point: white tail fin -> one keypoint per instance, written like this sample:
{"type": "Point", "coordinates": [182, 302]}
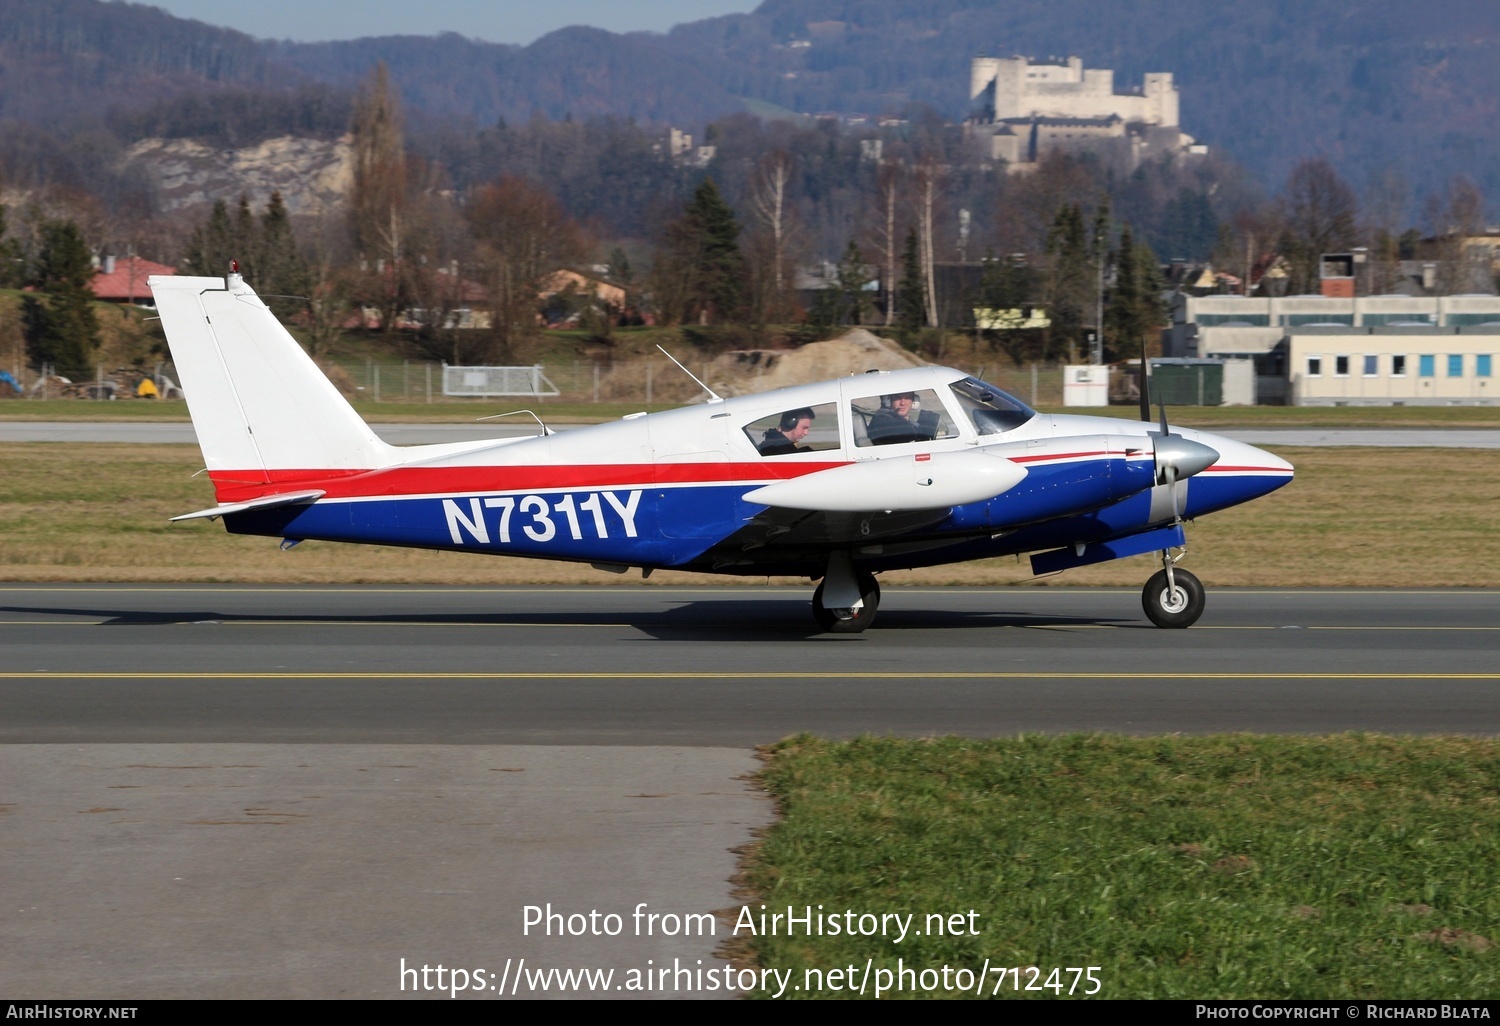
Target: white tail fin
{"type": "Point", "coordinates": [258, 402]}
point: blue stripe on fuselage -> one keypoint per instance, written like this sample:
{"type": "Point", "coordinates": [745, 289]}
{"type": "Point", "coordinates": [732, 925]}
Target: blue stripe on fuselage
{"type": "Point", "coordinates": [654, 526]}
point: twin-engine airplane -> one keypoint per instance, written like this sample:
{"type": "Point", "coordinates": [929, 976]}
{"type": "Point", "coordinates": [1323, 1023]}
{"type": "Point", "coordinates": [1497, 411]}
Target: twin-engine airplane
{"type": "Point", "coordinates": [836, 481]}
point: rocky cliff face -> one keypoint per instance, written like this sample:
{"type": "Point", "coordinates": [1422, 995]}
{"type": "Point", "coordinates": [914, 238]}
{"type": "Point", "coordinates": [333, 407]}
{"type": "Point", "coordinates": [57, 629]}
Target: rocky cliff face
{"type": "Point", "coordinates": [311, 174]}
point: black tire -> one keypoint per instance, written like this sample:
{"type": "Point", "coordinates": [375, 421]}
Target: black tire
{"type": "Point", "coordinates": [832, 623]}
{"type": "Point", "coordinates": [1167, 610]}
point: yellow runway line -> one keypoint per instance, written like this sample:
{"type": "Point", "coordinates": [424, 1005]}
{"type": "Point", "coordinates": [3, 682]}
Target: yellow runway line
{"type": "Point", "coordinates": [906, 675]}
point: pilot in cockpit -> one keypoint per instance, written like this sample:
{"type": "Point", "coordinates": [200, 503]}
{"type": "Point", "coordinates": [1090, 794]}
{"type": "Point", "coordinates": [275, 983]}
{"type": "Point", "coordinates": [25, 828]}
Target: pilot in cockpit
{"type": "Point", "coordinates": [789, 431]}
{"type": "Point", "coordinates": [893, 422]}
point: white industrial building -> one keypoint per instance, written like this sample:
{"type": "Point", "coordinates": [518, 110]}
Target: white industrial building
{"type": "Point", "coordinates": [1366, 350]}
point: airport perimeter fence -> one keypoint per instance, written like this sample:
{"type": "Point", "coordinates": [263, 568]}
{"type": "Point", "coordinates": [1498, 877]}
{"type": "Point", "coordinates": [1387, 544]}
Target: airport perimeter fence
{"type": "Point", "coordinates": [646, 380]}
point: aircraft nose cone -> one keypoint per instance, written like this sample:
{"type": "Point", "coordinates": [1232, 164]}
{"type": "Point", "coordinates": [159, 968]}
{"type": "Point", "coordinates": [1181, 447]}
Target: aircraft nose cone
{"type": "Point", "coordinates": [1184, 456]}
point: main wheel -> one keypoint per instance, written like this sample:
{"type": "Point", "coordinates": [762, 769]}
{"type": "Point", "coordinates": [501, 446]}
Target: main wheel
{"type": "Point", "coordinates": [842, 621]}
{"type": "Point", "coordinates": [1167, 607]}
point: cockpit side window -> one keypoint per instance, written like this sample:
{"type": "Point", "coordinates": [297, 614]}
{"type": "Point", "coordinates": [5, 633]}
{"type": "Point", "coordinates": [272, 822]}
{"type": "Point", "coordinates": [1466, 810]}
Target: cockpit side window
{"type": "Point", "coordinates": [991, 411]}
{"type": "Point", "coordinates": [803, 429]}
{"type": "Point", "coordinates": [896, 417]}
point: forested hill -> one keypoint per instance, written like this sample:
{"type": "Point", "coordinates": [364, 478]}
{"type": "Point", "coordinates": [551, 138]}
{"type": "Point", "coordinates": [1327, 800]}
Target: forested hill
{"type": "Point", "coordinates": [1373, 85]}
{"type": "Point", "coordinates": [61, 60]}
{"type": "Point", "coordinates": [574, 72]}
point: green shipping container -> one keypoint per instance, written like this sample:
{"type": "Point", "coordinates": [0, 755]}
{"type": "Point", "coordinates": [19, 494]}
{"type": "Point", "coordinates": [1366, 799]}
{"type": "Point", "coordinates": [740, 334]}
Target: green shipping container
{"type": "Point", "coordinates": [1187, 382]}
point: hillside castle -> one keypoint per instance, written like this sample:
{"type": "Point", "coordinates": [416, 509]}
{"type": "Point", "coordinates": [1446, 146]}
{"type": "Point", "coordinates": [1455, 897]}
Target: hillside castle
{"type": "Point", "coordinates": [1022, 110]}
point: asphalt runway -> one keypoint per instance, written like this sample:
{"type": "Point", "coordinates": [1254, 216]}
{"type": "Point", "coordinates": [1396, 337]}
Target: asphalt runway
{"type": "Point", "coordinates": [223, 791]}
{"type": "Point", "coordinates": [733, 666]}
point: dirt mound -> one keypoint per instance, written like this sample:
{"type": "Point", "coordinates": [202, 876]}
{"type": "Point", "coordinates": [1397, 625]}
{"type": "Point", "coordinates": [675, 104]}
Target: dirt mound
{"type": "Point", "coordinates": [760, 370]}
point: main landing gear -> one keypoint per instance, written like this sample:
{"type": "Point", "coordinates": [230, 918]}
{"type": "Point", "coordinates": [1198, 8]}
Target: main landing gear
{"type": "Point", "coordinates": [851, 619]}
{"type": "Point", "coordinates": [1173, 597]}
{"type": "Point", "coordinates": [846, 599]}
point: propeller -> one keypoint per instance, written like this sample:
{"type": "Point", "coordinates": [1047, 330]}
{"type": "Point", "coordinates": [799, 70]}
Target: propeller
{"type": "Point", "coordinates": [1145, 389]}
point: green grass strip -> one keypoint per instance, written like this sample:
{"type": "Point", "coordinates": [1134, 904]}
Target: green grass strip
{"type": "Point", "coordinates": [1231, 866]}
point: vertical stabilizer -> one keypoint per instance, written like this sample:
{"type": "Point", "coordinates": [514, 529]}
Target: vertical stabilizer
{"type": "Point", "coordinates": [258, 401]}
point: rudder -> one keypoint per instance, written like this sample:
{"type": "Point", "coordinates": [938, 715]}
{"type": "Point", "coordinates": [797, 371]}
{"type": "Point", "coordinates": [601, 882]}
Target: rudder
{"type": "Point", "coordinates": [258, 401]}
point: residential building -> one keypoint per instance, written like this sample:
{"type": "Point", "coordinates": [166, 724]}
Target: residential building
{"type": "Point", "coordinates": [123, 280]}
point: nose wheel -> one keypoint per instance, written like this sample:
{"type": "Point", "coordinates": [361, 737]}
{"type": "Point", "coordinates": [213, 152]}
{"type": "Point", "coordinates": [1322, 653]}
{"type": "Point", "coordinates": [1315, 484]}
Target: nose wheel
{"type": "Point", "coordinates": [1173, 598]}
{"type": "Point", "coordinates": [849, 620]}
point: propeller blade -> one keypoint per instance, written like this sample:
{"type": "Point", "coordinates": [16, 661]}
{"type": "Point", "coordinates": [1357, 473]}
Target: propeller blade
{"type": "Point", "coordinates": [1145, 388]}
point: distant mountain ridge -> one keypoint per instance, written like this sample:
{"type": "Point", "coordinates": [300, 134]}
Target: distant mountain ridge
{"type": "Point", "coordinates": [1372, 85]}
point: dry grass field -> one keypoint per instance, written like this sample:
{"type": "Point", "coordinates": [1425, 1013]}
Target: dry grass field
{"type": "Point", "coordinates": [1352, 517]}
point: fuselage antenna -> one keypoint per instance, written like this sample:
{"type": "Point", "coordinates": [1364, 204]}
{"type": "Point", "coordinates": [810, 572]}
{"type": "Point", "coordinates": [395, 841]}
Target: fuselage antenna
{"type": "Point", "coordinates": [713, 396]}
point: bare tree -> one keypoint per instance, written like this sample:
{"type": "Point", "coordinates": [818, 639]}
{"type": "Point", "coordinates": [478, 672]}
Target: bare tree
{"type": "Point", "coordinates": [1453, 218]}
{"type": "Point", "coordinates": [1384, 209]}
{"type": "Point", "coordinates": [926, 178]}
{"type": "Point", "coordinates": [768, 199]}
{"type": "Point", "coordinates": [523, 237]}
{"type": "Point", "coordinates": [1321, 217]}
{"type": "Point", "coordinates": [888, 182]}
{"type": "Point", "coordinates": [378, 197]}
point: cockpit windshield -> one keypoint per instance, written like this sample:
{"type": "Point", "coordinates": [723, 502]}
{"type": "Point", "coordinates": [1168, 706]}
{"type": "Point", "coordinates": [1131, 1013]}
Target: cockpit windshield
{"type": "Point", "coordinates": [991, 411]}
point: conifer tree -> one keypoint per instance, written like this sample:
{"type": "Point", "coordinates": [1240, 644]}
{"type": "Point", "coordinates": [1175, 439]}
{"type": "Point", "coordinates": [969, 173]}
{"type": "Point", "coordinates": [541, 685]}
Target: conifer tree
{"type": "Point", "coordinates": [1071, 278]}
{"type": "Point", "coordinates": [11, 270]}
{"type": "Point", "coordinates": [1136, 310]}
{"type": "Point", "coordinates": [281, 272]}
{"type": "Point", "coordinates": [911, 297]}
{"type": "Point", "coordinates": [212, 245]}
{"type": "Point", "coordinates": [58, 320]}
{"type": "Point", "coordinates": [700, 271]}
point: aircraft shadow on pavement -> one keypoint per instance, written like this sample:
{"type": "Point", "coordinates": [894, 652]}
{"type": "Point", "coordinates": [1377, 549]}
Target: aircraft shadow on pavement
{"type": "Point", "coordinates": [722, 620]}
{"type": "Point", "coordinates": [710, 620]}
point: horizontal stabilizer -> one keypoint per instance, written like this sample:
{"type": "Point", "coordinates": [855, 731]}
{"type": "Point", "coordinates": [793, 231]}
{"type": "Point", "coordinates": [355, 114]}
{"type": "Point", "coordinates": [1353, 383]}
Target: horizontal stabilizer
{"type": "Point", "coordinates": [264, 502]}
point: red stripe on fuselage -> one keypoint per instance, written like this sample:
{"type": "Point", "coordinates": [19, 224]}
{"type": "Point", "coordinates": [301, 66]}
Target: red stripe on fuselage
{"type": "Point", "coordinates": [1063, 456]}
{"type": "Point", "coordinates": [243, 485]}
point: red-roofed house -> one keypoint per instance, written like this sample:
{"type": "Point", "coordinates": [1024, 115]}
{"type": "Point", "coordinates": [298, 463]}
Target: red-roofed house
{"type": "Point", "coordinates": [123, 280]}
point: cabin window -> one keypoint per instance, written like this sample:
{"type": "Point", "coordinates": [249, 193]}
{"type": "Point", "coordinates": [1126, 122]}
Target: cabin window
{"type": "Point", "coordinates": [895, 417]}
{"type": "Point", "coordinates": [1372, 366]}
{"type": "Point", "coordinates": [1315, 366]}
{"type": "Point", "coordinates": [1398, 366]}
{"type": "Point", "coordinates": [1426, 365]}
{"type": "Point", "coordinates": [1341, 366]}
{"type": "Point", "coordinates": [1482, 365]}
{"type": "Point", "coordinates": [1455, 365]}
{"type": "Point", "coordinates": [798, 430]}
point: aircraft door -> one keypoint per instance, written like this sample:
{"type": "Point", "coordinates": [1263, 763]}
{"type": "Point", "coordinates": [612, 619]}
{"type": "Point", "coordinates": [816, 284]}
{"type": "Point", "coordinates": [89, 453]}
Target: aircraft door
{"type": "Point", "coordinates": [693, 496]}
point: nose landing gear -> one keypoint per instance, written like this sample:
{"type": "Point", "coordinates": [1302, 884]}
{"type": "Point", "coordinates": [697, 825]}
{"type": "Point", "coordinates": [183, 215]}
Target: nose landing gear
{"type": "Point", "coordinates": [1173, 597]}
